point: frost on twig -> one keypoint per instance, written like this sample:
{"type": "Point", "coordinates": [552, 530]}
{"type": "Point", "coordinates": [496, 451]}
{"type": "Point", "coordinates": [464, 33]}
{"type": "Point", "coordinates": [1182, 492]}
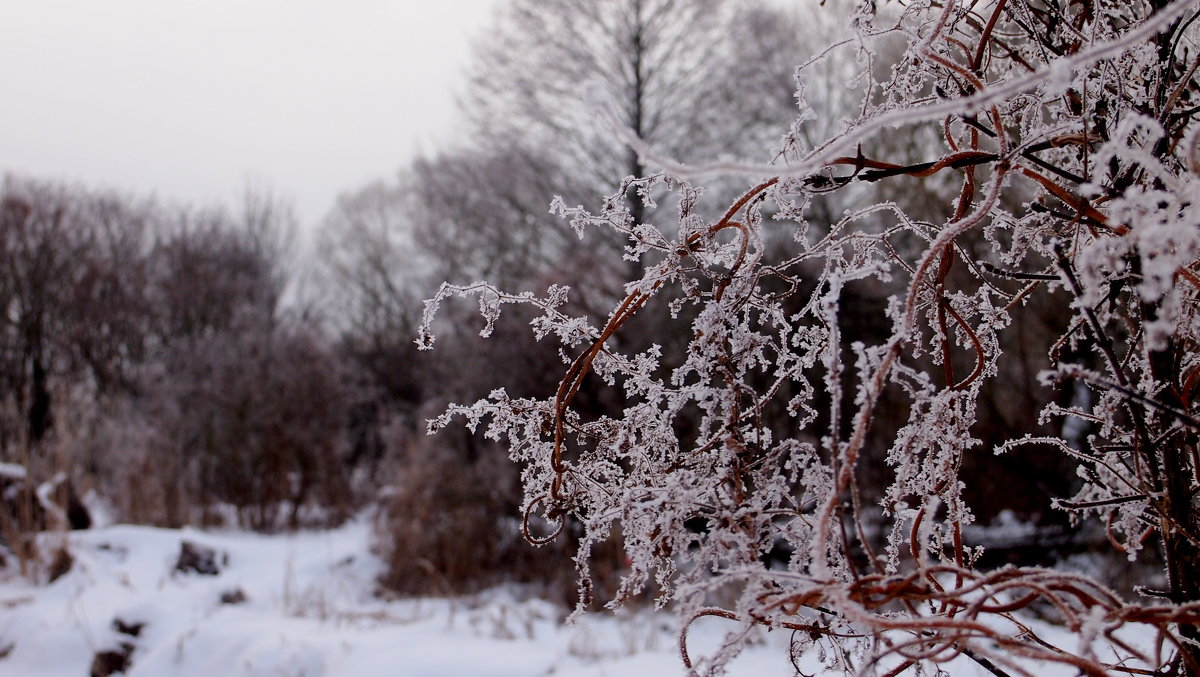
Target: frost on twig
{"type": "Point", "coordinates": [784, 463]}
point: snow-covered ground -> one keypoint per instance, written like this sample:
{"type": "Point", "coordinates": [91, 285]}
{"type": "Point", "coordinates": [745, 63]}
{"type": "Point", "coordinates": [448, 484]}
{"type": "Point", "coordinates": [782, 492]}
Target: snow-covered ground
{"type": "Point", "coordinates": [304, 604]}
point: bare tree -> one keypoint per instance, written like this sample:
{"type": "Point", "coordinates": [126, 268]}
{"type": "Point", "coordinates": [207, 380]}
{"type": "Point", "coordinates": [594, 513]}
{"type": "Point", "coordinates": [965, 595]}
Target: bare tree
{"type": "Point", "coordinates": [212, 271]}
{"type": "Point", "coordinates": [658, 60]}
{"type": "Point", "coordinates": [479, 211]}
{"type": "Point", "coordinates": [72, 287]}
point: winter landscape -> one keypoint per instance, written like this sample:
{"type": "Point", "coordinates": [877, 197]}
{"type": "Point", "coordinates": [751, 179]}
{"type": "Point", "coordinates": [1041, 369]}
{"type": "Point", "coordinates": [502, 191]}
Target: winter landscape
{"type": "Point", "coordinates": [713, 337]}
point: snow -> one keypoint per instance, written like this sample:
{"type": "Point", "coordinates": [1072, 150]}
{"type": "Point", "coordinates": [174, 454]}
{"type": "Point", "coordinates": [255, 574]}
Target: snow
{"type": "Point", "coordinates": [311, 609]}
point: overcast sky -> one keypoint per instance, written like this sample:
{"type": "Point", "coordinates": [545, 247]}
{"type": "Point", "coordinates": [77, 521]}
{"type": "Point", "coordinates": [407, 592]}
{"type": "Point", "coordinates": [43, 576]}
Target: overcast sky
{"type": "Point", "coordinates": [191, 99]}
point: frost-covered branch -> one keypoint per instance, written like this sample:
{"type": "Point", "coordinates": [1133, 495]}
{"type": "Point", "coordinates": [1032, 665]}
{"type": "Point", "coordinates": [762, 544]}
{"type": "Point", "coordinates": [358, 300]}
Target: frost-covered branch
{"type": "Point", "coordinates": [794, 456]}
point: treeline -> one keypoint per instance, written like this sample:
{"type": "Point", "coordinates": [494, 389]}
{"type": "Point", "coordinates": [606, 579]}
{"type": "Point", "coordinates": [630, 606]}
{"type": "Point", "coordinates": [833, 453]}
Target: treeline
{"type": "Point", "coordinates": [162, 358]}
{"type": "Point", "coordinates": [146, 353]}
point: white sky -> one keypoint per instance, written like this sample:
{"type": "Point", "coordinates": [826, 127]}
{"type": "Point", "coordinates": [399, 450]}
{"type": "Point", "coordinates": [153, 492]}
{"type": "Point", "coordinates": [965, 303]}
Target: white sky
{"type": "Point", "coordinates": [193, 99]}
